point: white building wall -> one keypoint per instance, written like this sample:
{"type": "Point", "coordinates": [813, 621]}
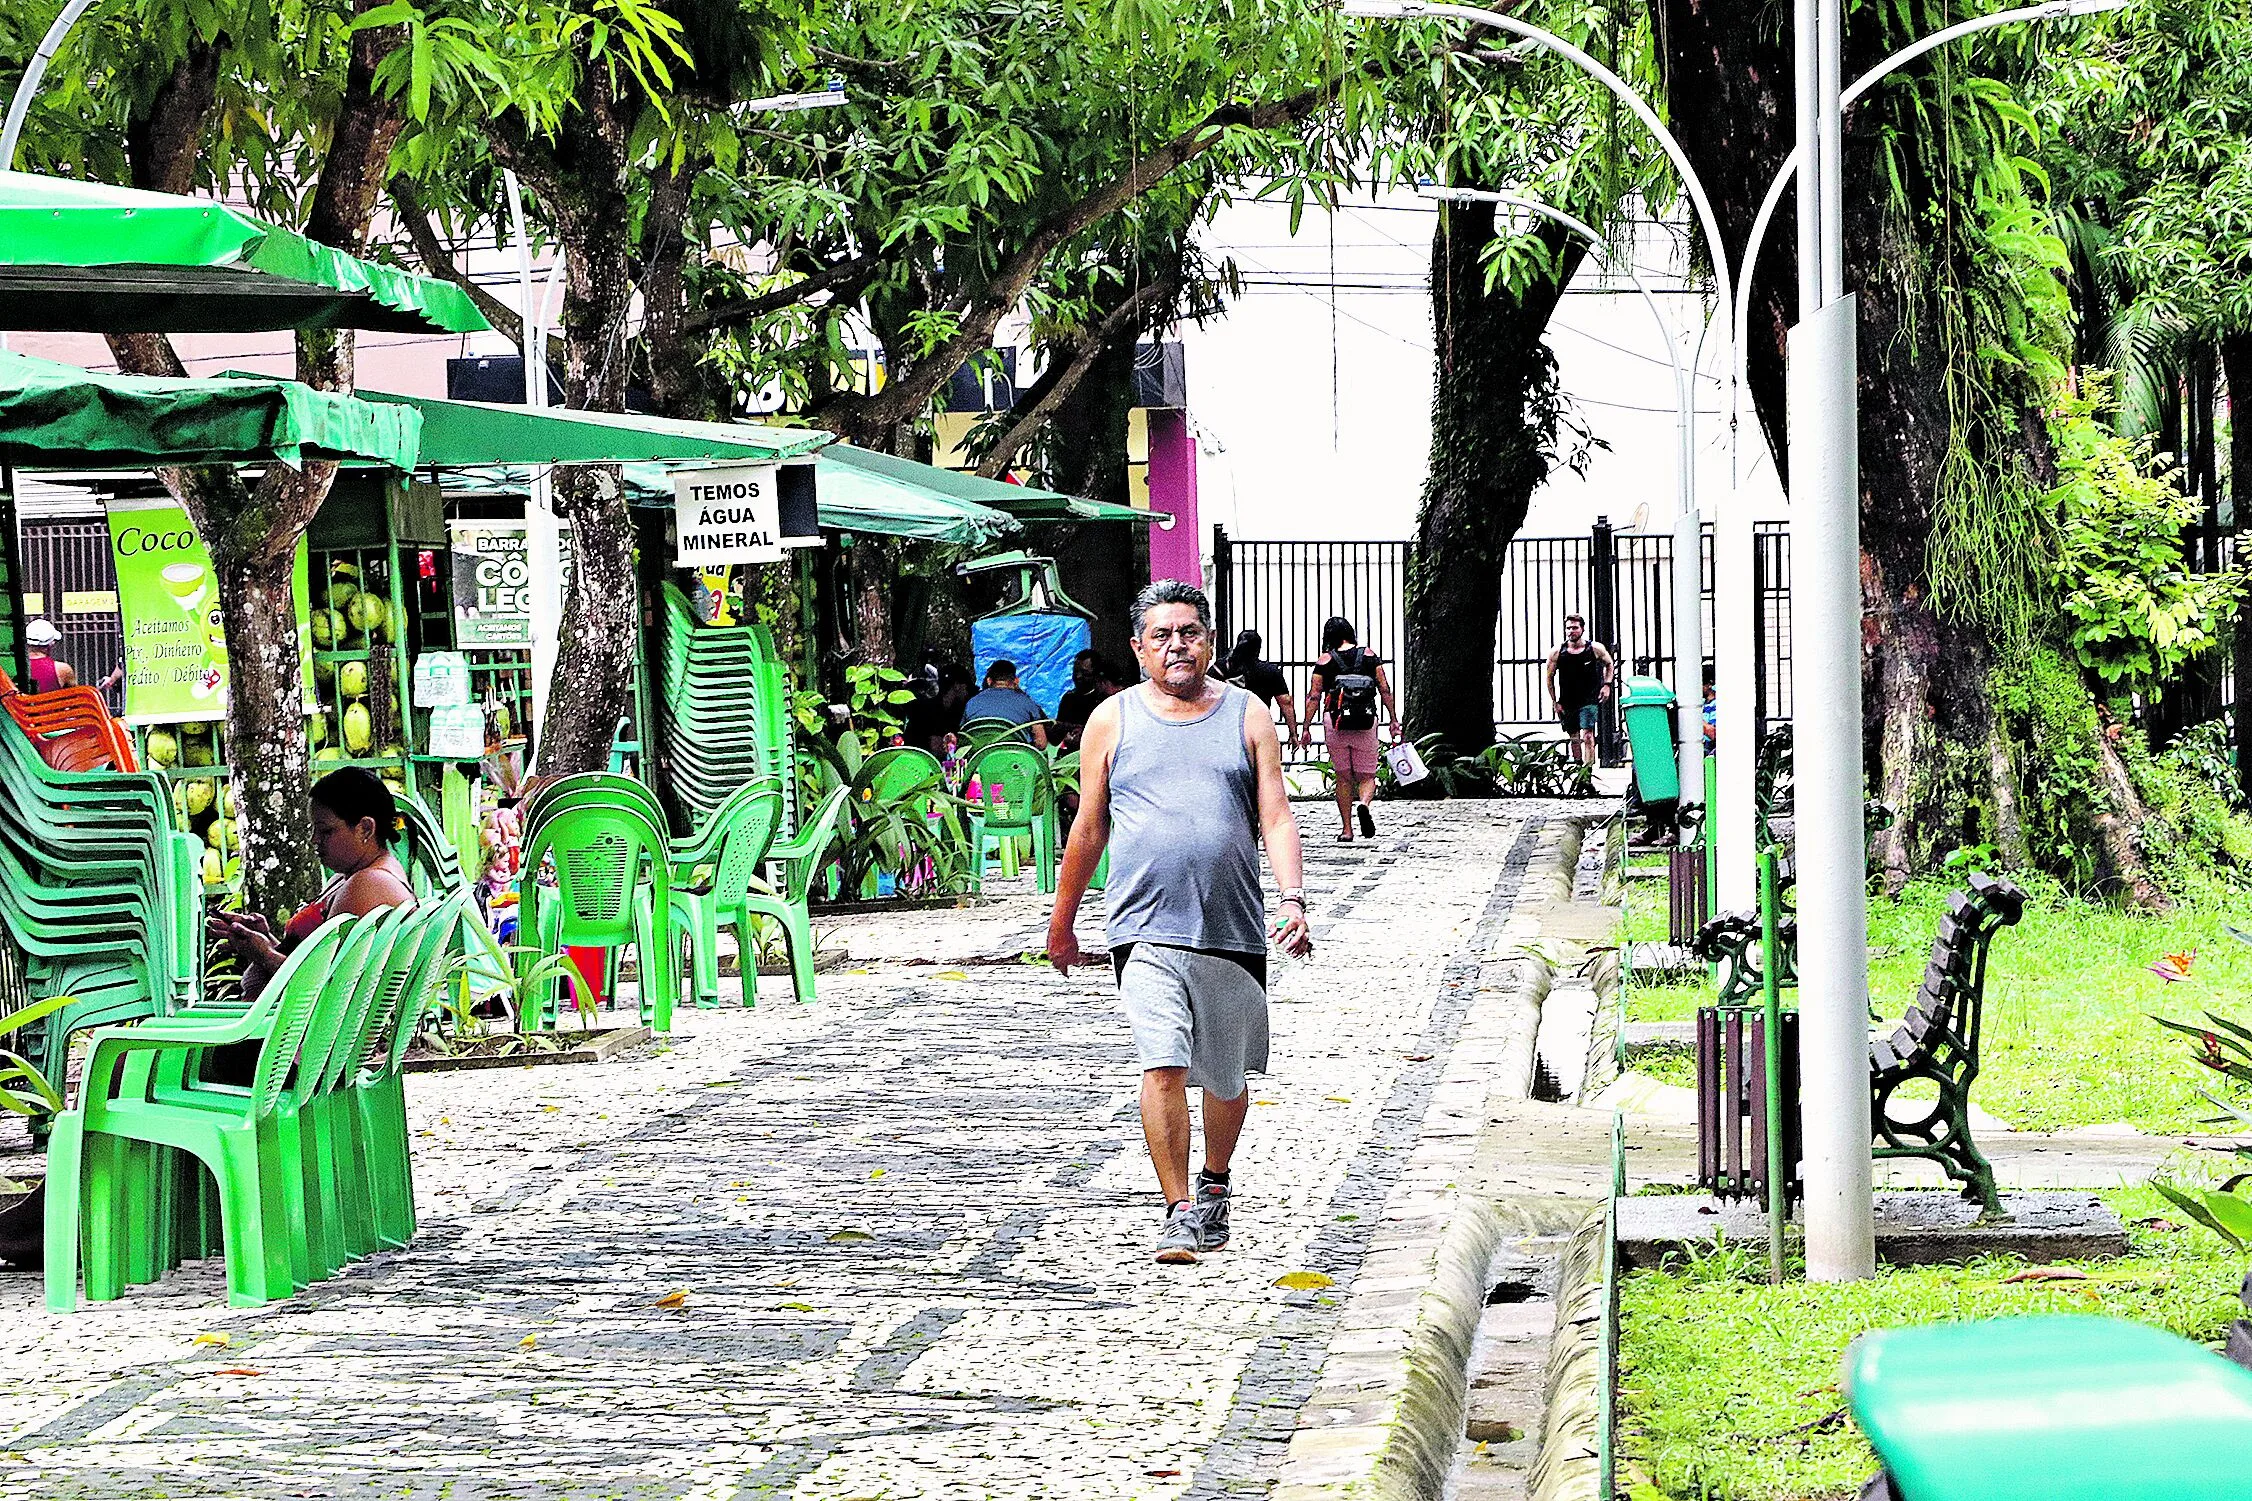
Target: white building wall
{"type": "Point", "coordinates": [1314, 407]}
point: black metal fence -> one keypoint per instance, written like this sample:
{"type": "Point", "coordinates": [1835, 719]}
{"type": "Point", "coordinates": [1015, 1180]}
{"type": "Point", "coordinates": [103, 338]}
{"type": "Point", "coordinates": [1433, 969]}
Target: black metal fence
{"type": "Point", "coordinates": [1621, 582]}
{"type": "Point", "coordinates": [1286, 591]}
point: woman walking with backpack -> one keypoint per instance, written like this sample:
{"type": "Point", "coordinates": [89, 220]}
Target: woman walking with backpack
{"type": "Point", "coordinates": [1348, 687]}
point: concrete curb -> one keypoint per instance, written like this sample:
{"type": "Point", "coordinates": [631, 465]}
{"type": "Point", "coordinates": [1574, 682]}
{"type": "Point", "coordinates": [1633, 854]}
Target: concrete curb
{"type": "Point", "coordinates": [1386, 1421]}
{"type": "Point", "coordinates": [1570, 1467]}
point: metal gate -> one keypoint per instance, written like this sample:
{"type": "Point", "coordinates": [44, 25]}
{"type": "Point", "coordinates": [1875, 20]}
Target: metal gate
{"type": "Point", "coordinates": [1620, 582]}
{"type": "Point", "coordinates": [1286, 591]}
{"type": "Point", "coordinates": [67, 566]}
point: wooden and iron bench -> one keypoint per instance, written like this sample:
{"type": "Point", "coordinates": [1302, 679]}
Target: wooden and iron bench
{"type": "Point", "coordinates": [1935, 1045]}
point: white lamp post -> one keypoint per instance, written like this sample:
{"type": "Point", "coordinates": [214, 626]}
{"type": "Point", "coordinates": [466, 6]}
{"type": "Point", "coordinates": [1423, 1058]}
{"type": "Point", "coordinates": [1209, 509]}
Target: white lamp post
{"type": "Point", "coordinates": [1688, 539]}
{"type": "Point", "coordinates": [1690, 723]}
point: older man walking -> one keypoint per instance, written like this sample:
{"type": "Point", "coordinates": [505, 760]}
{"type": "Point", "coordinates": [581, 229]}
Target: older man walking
{"type": "Point", "coordinates": [1182, 777]}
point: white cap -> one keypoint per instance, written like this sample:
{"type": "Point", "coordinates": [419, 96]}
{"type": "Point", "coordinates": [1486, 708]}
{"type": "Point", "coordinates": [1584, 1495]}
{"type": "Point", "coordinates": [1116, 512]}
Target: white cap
{"type": "Point", "coordinates": [42, 631]}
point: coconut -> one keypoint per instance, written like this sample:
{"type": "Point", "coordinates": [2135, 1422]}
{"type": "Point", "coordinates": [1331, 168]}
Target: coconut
{"type": "Point", "coordinates": [223, 835]}
{"type": "Point", "coordinates": [199, 795]}
{"type": "Point", "coordinates": [359, 729]}
{"type": "Point", "coordinates": [367, 611]}
{"type": "Point", "coordinates": [316, 730]}
{"type": "Point", "coordinates": [163, 748]}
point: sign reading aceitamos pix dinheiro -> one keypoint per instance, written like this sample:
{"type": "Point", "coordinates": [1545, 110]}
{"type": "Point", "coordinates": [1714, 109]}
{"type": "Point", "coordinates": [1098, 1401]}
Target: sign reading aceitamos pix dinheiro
{"type": "Point", "coordinates": [168, 604]}
{"type": "Point", "coordinates": [730, 515]}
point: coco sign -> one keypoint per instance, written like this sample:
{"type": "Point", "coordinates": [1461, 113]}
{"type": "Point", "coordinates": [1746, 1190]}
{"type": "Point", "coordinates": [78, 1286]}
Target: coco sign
{"type": "Point", "coordinates": [724, 516]}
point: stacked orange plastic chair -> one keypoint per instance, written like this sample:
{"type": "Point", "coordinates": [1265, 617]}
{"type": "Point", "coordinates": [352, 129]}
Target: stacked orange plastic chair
{"type": "Point", "coordinates": [72, 728]}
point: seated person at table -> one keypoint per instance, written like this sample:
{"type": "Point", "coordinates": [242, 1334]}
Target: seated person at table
{"type": "Point", "coordinates": [1003, 699]}
{"type": "Point", "coordinates": [354, 822]}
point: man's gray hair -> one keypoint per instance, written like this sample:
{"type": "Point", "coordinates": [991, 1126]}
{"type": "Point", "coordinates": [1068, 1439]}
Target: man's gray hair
{"type": "Point", "coordinates": [1170, 592]}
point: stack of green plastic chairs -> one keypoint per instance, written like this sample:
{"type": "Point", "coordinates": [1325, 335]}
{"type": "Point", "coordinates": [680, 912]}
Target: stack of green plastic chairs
{"type": "Point", "coordinates": [612, 887]}
{"type": "Point", "coordinates": [100, 898]}
{"type": "Point", "coordinates": [726, 694]}
{"type": "Point", "coordinates": [308, 1166]}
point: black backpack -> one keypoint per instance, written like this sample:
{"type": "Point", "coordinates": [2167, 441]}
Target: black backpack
{"type": "Point", "coordinates": [1353, 691]}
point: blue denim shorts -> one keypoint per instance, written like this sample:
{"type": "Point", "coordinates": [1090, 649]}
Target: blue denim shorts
{"type": "Point", "coordinates": [1582, 718]}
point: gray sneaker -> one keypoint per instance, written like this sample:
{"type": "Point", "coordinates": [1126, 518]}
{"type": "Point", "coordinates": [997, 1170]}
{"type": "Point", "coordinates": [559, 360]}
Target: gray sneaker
{"type": "Point", "coordinates": [1212, 1204]}
{"type": "Point", "coordinates": [1182, 1237]}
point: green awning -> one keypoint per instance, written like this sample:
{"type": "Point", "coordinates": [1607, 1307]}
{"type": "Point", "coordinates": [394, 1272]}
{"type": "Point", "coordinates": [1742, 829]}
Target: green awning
{"type": "Point", "coordinates": [1024, 502]}
{"type": "Point", "coordinates": [1042, 505]}
{"type": "Point", "coordinates": [899, 498]}
{"type": "Point", "coordinates": [94, 258]}
{"type": "Point", "coordinates": [848, 500]}
{"type": "Point", "coordinates": [479, 434]}
{"type": "Point", "coordinates": [55, 416]}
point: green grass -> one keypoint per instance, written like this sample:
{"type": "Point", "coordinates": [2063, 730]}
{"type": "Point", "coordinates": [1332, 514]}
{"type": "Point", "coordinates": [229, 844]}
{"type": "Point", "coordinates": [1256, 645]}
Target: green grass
{"type": "Point", "coordinates": [1728, 1387]}
{"type": "Point", "coordinates": [2069, 994]}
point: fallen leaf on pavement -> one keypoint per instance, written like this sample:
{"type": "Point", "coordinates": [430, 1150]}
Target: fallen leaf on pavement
{"type": "Point", "coordinates": [677, 1298]}
{"type": "Point", "coordinates": [220, 1340]}
{"type": "Point", "coordinates": [878, 1173]}
{"type": "Point", "coordinates": [952, 974]}
{"type": "Point", "coordinates": [799, 1307]}
{"type": "Point", "coordinates": [1301, 1281]}
{"type": "Point", "coordinates": [1160, 1474]}
{"type": "Point", "coordinates": [842, 1236]}
{"type": "Point", "coordinates": [237, 1370]}
{"type": "Point", "coordinates": [527, 1342]}
{"type": "Point", "coordinates": [1338, 1099]}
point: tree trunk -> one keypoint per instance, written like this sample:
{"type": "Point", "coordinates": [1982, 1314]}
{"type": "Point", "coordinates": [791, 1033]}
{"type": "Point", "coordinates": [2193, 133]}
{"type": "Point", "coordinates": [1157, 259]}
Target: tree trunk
{"type": "Point", "coordinates": [251, 534]}
{"type": "Point", "coordinates": [2236, 369]}
{"type": "Point", "coordinates": [1925, 672]}
{"type": "Point", "coordinates": [1494, 409]}
{"type": "Point", "coordinates": [581, 177]}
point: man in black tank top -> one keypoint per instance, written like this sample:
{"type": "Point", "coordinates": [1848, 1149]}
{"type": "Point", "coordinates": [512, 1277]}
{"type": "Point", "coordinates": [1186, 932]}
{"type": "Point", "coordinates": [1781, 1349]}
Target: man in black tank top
{"type": "Point", "coordinates": [1579, 680]}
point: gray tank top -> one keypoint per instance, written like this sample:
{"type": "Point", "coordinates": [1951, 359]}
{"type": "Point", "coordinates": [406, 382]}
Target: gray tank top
{"type": "Point", "coordinates": [1184, 830]}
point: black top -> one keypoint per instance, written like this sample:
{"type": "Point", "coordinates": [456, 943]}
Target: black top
{"type": "Point", "coordinates": [1363, 660]}
{"type": "Point", "coordinates": [1078, 705]}
{"type": "Point", "coordinates": [1579, 677]}
{"type": "Point", "coordinates": [1263, 680]}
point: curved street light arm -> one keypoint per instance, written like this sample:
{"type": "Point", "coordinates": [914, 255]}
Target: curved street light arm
{"type": "Point", "coordinates": [1691, 183]}
{"type": "Point", "coordinates": [2052, 10]}
{"type": "Point", "coordinates": [20, 105]}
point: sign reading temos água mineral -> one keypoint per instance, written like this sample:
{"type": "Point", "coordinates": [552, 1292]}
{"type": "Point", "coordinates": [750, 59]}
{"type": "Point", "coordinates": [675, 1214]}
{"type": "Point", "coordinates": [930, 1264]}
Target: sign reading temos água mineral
{"type": "Point", "coordinates": [730, 515]}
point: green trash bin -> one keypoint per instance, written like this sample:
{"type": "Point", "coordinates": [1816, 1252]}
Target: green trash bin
{"type": "Point", "coordinates": [1647, 704]}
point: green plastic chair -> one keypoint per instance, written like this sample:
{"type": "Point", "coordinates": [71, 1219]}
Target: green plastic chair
{"type": "Point", "coordinates": [377, 1091]}
{"type": "Point", "coordinates": [797, 860]}
{"type": "Point", "coordinates": [1028, 794]}
{"type": "Point", "coordinates": [233, 1133]}
{"type": "Point", "coordinates": [2051, 1408]}
{"type": "Point", "coordinates": [978, 734]}
{"type": "Point", "coordinates": [734, 845]}
{"type": "Point", "coordinates": [613, 889]}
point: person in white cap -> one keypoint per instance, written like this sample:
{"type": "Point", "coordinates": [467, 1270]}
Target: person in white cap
{"type": "Point", "coordinates": [48, 671]}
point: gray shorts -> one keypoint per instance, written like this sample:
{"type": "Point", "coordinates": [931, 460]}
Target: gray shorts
{"type": "Point", "coordinates": [1195, 1010]}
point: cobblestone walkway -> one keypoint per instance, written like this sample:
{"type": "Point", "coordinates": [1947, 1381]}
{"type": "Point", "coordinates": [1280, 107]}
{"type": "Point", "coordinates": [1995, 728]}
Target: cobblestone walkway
{"type": "Point", "coordinates": [913, 1223]}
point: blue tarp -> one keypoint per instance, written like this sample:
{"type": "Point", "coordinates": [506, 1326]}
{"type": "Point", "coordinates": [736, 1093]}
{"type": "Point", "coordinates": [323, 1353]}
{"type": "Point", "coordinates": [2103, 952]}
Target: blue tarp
{"type": "Point", "coordinates": [1042, 646]}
